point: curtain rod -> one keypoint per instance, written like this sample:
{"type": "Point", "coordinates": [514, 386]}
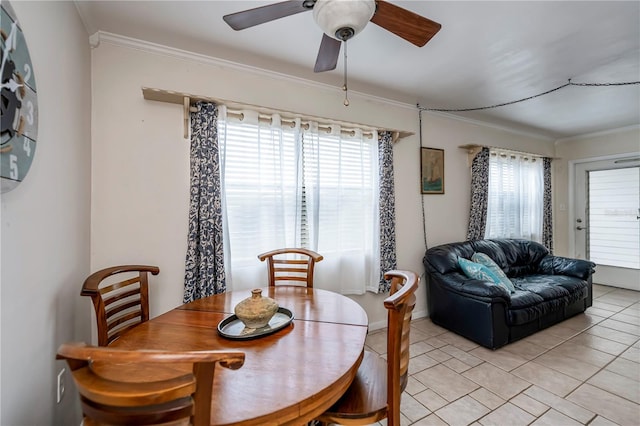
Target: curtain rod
{"type": "Point", "coordinates": [264, 118]}
{"type": "Point", "coordinates": [186, 100]}
{"type": "Point", "coordinates": [474, 149]}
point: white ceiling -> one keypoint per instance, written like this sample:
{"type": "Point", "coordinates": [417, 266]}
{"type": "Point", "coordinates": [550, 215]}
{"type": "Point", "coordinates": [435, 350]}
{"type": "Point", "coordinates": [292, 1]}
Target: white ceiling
{"type": "Point", "coordinates": [486, 53]}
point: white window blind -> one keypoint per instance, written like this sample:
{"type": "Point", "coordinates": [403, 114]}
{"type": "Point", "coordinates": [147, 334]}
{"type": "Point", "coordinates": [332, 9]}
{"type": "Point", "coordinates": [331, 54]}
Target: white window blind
{"type": "Point", "coordinates": [259, 183]}
{"type": "Point", "coordinates": [515, 203]}
{"type": "Point", "coordinates": [614, 207]}
{"type": "Point", "coordinates": [287, 186]}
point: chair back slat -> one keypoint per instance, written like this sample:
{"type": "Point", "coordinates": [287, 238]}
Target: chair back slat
{"type": "Point", "coordinates": [134, 292]}
{"type": "Point", "coordinates": [114, 302]}
{"type": "Point", "coordinates": [119, 285]}
{"type": "Point", "coordinates": [123, 319]}
{"type": "Point", "coordinates": [290, 278]}
{"type": "Point", "coordinates": [283, 269]}
{"type": "Point", "coordinates": [291, 264]}
{"type": "Point", "coordinates": [119, 310]}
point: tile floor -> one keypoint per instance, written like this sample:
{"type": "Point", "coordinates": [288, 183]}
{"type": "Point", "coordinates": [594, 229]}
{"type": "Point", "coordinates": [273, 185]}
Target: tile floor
{"type": "Point", "coordinates": [583, 371]}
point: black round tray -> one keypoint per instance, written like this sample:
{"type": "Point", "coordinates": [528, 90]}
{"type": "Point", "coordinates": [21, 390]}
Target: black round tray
{"type": "Point", "coordinates": [233, 328]}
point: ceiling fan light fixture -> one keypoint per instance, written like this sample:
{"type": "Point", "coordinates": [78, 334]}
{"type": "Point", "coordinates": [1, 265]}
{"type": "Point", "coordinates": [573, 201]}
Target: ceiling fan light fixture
{"type": "Point", "coordinates": [336, 16]}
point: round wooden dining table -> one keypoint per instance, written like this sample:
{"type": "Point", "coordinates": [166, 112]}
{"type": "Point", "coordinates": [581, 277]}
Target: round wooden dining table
{"type": "Point", "coordinates": [290, 376]}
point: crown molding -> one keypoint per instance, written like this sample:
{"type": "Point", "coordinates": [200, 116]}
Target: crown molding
{"type": "Point", "coordinates": [81, 8]}
{"type": "Point", "coordinates": [601, 133]}
{"type": "Point", "coordinates": [159, 49]}
{"type": "Point", "coordinates": [94, 40]}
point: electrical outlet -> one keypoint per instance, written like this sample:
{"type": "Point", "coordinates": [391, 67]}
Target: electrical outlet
{"type": "Point", "coordinates": [60, 391]}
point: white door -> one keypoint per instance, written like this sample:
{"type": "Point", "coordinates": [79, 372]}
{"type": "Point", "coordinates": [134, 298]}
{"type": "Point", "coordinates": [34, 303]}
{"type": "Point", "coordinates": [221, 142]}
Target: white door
{"type": "Point", "coordinates": [607, 220]}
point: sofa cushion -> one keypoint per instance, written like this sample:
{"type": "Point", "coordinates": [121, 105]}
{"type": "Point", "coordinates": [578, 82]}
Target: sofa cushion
{"type": "Point", "coordinates": [551, 287]}
{"type": "Point", "coordinates": [525, 307]}
{"type": "Point", "coordinates": [552, 293]}
{"type": "Point", "coordinates": [444, 258]}
{"type": "Point", "coordinates": [541, 285]}
{"type": "Point", "coordinates": [492, 249]}
{"type": "Point", "coordinates": [522, 256]}
{"type": "Point", "coordinates": [532, 312]}
{"type": "Point", "coordinates": [486, 260]}
{"type": "Point", "coordinates": [478, 271]}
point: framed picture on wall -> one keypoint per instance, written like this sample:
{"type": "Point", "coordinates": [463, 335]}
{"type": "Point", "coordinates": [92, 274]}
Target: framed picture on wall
{"type": "Point", "coordinates": [432, 170]}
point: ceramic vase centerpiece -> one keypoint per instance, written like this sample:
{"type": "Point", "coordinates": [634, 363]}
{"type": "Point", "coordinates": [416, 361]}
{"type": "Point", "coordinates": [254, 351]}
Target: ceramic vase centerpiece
{"type": "Point", "coordinates": [257, 310]}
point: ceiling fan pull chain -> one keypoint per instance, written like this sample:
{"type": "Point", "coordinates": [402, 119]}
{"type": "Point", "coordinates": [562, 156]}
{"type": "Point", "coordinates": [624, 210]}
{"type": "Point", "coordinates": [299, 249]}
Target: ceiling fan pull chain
{"type": "Point", "coordinates": [344, 87]}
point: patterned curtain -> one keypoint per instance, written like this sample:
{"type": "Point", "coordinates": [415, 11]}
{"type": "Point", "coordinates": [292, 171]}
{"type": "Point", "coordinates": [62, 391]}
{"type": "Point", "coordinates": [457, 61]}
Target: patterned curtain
{"type": "Point", "coordinates": [387, 207]}
{"type": "Point", "coordinates": [547, 216]}
{"type": "Point", "coordinates": [204, 266]}
{"type": "Point", "coordinates": [479, 195]}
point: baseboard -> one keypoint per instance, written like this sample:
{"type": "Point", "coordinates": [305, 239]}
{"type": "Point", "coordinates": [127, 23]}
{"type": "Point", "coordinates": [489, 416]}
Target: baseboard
{"type": "Point", "coordinates": [627, 285]}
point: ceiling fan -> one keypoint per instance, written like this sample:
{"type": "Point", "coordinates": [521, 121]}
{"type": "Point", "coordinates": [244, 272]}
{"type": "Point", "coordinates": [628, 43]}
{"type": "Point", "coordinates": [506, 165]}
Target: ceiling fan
{"type": "Point", "coordinates": [340, 20]}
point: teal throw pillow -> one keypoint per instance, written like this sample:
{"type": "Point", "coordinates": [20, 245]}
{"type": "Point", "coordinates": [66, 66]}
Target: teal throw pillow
{"type": "Point", "coordinates": [478, 271]}
{"type": "Point", "coordinates": [485, 260]}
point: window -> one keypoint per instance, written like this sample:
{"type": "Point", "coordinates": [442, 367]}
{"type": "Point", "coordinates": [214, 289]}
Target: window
{"type": "Point", "coordinates": [515, 198]}
{"type": "Point", "coordinates": [290, 186]}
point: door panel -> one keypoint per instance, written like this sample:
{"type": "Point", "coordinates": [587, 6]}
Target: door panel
{"type": "Point", "coordinates": [607, 220]}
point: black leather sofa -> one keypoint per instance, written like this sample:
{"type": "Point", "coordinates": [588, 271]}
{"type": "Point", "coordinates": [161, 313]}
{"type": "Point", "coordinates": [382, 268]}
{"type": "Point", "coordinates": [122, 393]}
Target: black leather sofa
{"type": "Point", "coordinates": [548, 289]}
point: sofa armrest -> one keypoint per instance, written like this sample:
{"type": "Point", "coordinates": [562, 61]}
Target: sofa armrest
{"type": "Point", "coordinates": [477, 289]}
{"type": "Point", "coordinates": [558, 265]}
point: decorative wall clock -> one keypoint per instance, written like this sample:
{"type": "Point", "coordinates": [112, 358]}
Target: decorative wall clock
{"type": "Point", "coordinates": [19, 103]}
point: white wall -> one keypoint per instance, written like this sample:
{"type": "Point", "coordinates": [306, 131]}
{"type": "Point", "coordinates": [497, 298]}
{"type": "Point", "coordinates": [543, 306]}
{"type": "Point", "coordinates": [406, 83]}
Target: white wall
{"type": "Point", "coordinates": [45, 223]}
{"type": "Point", "coordinates": [621, 141]}
{"type": "Point", "coordinates": [140, 161]}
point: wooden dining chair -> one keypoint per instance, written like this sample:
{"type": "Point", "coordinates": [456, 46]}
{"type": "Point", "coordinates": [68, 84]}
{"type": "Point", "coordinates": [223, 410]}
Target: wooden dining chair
{"type": "Point", "coordinates": [121, 302]}
{"type": "Point", "coordinates": [291, 264]}
{"type": "Point", "coordinates": [375, 392]}
{"type": "Point", "coordinates": [157, 392]}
